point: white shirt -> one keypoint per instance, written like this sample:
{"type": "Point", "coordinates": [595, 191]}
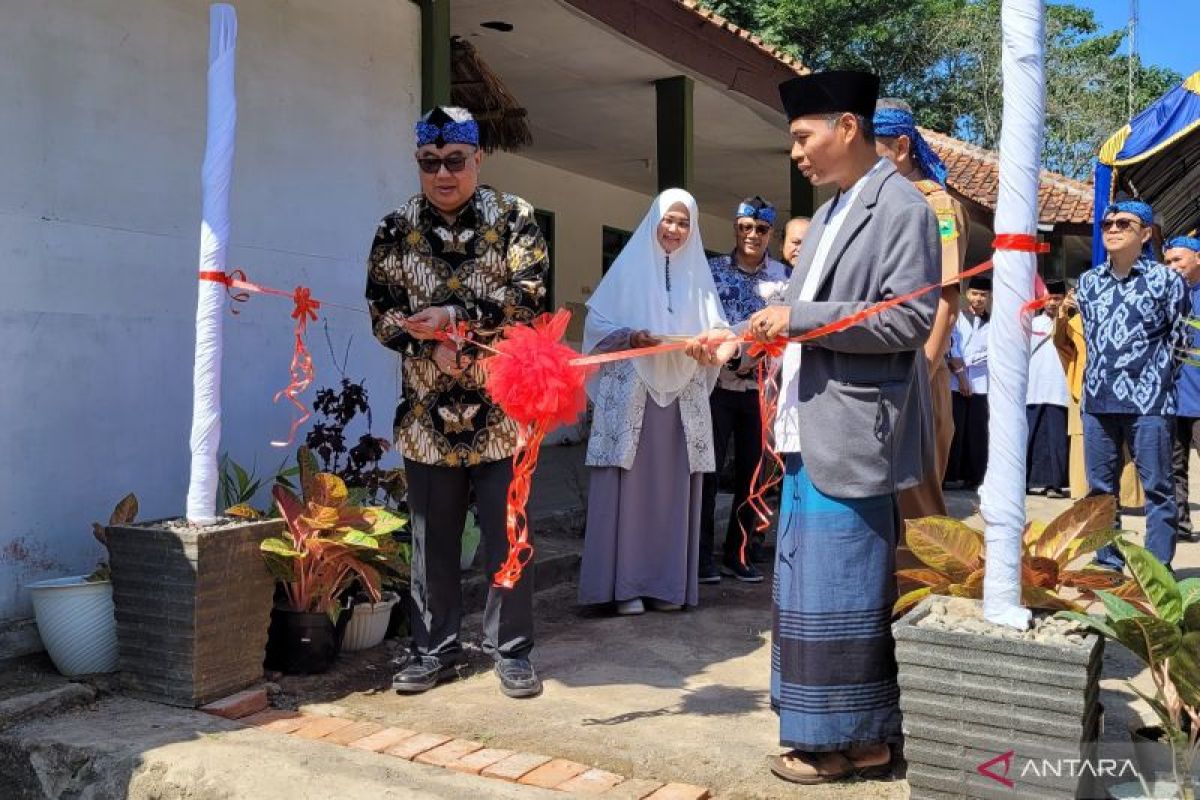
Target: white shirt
{"type": "Point", "coordinates": [787, 418]}
{"type": "Point", "coordinates": [1047, 381]}
{"type": "Point", "coordinates": [968, 341]}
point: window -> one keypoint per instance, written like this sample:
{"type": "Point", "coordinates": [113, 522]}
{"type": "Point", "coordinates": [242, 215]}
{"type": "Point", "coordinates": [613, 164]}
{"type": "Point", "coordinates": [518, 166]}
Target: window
{"type": "Point", "coordinates": [545, 221]}
{"type": "Point", "coordinates": [612, 241]}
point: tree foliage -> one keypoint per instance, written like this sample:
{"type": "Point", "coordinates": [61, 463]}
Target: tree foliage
{"type": "Point", "coordinates": [943, 56]}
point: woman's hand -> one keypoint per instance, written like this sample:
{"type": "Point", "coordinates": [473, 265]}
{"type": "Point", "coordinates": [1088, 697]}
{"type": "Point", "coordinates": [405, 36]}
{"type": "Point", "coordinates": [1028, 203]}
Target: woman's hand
{"type": "Point", "coordinates": [713, 348]}
{"type": "Point", "coordinates": [639, 339]}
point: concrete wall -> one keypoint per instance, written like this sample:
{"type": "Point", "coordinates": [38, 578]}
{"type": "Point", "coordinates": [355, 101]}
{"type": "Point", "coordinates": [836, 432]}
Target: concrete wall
{"type": "Point", "coordinates": [102, 109]}
{"type": "Point", "coordinates": [582, 207]}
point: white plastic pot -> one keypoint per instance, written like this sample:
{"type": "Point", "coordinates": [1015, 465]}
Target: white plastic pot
{"type": "Point", "coordinates": [369, 623]}
{"type": "Point", "coordinates": [75, 620]}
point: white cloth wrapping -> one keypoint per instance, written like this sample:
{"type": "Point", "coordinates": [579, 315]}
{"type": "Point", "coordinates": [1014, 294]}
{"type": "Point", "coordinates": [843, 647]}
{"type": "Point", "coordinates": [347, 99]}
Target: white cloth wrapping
{"type": "Point", "coordinates": [1047, 381]}
{"type": "Point", "coordinates": [1002, 497]}
{"type": "Point", "coordinates": [217, 173]}
{"type": "Point", "coordinates": [633, 294]}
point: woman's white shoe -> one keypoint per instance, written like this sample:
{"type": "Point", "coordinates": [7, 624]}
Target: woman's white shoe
{"type": "Point", "coordinates": [630, 607]}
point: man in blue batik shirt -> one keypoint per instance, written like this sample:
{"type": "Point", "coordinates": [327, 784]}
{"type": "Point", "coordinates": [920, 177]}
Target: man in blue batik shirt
{"type": "Point", "coordinates": [746, 279]}
{"type": "Point", "coordinates": [1182, 254]}
{"type": "Point", "coordinates": [1134, 312]}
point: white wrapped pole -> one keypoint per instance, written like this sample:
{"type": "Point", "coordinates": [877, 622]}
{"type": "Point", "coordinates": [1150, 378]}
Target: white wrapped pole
{"type": "Point", "coordinates": [1003, 493]}
{"type": "Point", "coordinates": [216, 176]}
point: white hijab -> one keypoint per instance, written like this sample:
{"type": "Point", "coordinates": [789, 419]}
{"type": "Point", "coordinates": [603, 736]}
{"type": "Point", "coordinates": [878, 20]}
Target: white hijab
{"type": "Point", "coordinates": [633, 294]}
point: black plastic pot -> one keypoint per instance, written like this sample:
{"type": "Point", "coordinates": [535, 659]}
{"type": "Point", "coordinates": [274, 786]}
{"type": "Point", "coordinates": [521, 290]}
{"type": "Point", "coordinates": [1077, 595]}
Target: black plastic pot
{"type": "Point", "coordinates": [301, 643]}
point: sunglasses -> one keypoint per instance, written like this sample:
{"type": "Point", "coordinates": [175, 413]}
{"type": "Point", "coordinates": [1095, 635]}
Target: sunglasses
{"type": "Point", "coordinates": [1120, 225]}
{"type": "Point", "coordinates": [747, 227]}
{"type": "Point", "coordinates": [431, 165]}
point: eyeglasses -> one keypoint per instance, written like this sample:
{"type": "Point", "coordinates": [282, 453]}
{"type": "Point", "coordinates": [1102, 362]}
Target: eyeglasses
{"type": "Point", "coordinates": [1120, 225]}
{"type": "Point", "coordinates": [431, 165]}
{"type": "Point", "coordinates": [748, 227]}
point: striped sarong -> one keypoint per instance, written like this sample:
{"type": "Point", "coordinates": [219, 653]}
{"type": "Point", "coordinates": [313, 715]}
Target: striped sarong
{"type": "Point", "coordinates": [833, 661]}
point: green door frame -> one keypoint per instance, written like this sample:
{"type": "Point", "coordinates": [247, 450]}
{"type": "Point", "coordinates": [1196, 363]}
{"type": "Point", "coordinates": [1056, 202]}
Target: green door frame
{"type": "Point", "coordinates": [674, 126]}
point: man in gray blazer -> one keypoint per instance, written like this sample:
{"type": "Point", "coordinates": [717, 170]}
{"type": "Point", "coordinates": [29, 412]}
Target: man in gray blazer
{"type": "Point", "coordinates": [855, 424]}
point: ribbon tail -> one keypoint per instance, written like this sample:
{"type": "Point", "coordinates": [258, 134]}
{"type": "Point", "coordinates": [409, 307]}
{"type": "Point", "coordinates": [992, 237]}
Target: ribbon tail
{"type": "Point", "coordinates": [520, 551]}
{"type": "Point", "coordinates": [769, 470]}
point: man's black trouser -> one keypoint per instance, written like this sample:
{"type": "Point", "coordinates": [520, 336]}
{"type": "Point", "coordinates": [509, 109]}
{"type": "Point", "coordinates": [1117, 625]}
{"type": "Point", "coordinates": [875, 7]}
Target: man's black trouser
{"type": "Point", "coordinates": [437, 500]}
{"type": "Point", "coordinates": [733, 414]}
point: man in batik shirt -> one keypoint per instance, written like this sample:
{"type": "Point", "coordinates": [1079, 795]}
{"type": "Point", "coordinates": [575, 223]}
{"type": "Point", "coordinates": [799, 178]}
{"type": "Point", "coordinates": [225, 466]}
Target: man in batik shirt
{"type": "Point", "coordinates": [457, 257]}
{"type": "Point", "coordinates": [1134, 312]}
{"type": "Point", "coordinates": [746, 279]}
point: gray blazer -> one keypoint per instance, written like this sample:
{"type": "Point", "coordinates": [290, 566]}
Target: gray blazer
{"type": "Point", "coordinates": [866, 416]}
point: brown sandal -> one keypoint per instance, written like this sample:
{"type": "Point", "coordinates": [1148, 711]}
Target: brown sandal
{"type": "Point", "coordinates": [869, 772]}
{"type": "Point", "coordinates": [822, 767]}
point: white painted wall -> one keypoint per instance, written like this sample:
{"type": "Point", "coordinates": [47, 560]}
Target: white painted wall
{"type": "Point", "coordinates": [102, 109]}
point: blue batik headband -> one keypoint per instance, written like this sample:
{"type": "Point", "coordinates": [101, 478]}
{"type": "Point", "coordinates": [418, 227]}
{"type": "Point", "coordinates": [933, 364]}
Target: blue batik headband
{"type": "Point", "coordinates": [1139, 209]}
{"type": "Point", "coordinates": [440, 130]}
{"type": "Point", "coordinates": [756, 209]}
{"type": "Point", "coordinates": [1189, 242]}
{"type": "Point", "coordinates": [893, 122]}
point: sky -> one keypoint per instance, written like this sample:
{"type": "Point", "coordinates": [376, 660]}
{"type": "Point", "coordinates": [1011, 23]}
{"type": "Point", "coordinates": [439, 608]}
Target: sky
{"type": "Point", "coordinates": [1168, 31]}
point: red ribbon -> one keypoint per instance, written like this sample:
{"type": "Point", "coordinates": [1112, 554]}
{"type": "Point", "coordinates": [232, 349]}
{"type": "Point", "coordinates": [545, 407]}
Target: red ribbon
{"type": "Point", "coordinates": [301, 367]}
{"type": "Point", "coordinates": [1020, 242]}
{"type": "Point", "coordinates": [520, 551]}
{"type": "Point", "coordinates": [304, 310]}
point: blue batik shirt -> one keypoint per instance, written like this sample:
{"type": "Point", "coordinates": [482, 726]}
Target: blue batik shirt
{"type": "Point", "coordinates": [743, 293]}
{"type": "Point", "coordinates": [1188, 379]}
{"type": "Point", "coordinates": [1133, 329]}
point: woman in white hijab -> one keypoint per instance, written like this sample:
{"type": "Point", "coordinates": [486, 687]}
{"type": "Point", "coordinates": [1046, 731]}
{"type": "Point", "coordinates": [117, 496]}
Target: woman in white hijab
{"type": "Point", "coordinates": [651, 437]}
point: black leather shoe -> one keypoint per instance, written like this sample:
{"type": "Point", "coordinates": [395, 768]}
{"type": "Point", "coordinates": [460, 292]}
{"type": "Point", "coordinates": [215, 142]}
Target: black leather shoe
{"type": "Point", "coordinates": [421, 674]}
{"type": "Point", "coordinates": [1187, 536]}
{"type": "Point", "coordinates": [517, 678]}
{"type": "Point", "coordinates": [746, 573]}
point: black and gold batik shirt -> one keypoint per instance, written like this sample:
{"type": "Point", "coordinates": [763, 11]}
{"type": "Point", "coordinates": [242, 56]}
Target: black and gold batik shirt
{"type": "Point", "coordinates": [490, 264]}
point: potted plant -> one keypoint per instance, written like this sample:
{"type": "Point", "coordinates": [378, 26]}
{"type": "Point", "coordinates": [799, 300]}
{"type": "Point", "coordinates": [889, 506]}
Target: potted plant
{"type": "Point", "coordinates": [328, 543]}
{"type": "Point", "coordinates": [1164, 632]}
{"type": "Point", "coordinates": [969, 690]}
{"type": "Point", "coordinates": [369, 620]}
{"type": "Point", "coordinates": [75, 614]}
{"type": "Point", "coordinates": [192, 604]}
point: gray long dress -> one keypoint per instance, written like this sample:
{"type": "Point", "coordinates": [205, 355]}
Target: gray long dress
{"type": "Point", "coordinates": [643, 523]}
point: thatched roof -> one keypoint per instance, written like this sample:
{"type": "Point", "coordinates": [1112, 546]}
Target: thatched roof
{"type": "Point", "coordinates": [473, 85]}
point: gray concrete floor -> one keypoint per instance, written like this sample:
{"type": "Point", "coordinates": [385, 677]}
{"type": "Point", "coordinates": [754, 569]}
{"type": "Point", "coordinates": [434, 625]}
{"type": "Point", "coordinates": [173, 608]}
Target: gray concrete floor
{"type": "Point", "coordinates": [669, 696]}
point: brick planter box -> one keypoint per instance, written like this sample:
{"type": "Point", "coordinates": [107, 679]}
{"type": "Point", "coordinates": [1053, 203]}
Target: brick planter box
{"type": "Point", "coordinates": [969, 698]}
{"type": "Point", "coordinates": [192, 606]}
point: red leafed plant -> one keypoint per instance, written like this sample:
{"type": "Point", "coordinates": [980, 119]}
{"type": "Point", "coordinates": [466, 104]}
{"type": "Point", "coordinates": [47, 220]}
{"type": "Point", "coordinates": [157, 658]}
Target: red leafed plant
{"type": "Point", "coordinates": [329, 541]}
{"type": "Point", "coordinates": [954, 558]}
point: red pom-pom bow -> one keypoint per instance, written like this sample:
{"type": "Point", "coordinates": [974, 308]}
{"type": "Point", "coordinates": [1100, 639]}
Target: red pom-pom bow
{"type": "Point", "coordinates": [531, 377]}
{"type": "Point", "coordinates": [533, 381]}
